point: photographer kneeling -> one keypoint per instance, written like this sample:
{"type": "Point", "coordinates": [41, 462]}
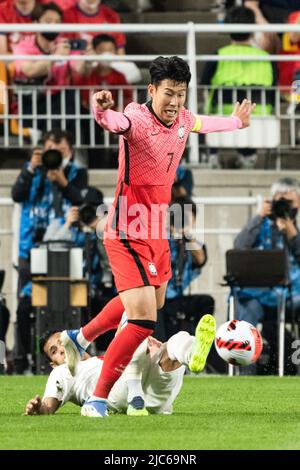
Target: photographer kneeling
{"type": "Point", "coordinates": [274, 226]}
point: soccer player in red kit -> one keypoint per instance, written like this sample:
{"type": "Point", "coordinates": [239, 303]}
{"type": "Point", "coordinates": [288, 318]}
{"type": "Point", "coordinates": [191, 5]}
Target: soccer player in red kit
{"type": "Point", "coordinates": [152, 141]}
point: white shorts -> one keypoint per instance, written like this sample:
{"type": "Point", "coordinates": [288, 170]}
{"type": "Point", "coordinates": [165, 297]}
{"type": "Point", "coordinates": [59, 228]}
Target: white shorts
{"type": "Point", "coordinates": [160, 388]}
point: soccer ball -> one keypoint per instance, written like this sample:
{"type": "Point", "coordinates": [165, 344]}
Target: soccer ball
{"type": "Point", "coordinates": [238, 343]}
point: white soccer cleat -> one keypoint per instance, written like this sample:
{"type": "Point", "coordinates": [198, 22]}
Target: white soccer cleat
{"type": "Point", "coordinates": [94, 409]}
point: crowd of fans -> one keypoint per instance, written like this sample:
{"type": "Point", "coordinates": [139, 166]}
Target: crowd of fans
{"type": "Point", "coordinates": [63, 77]}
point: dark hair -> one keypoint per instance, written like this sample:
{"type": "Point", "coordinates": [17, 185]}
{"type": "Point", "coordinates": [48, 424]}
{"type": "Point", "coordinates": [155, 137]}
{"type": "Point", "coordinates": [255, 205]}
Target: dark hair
{"type": "Point", "coordinates": [240, 15]}
{"type": "Point", "coordinates": [103, 38]}
{"type": "Point", "coordinates": [40, 9]}
{"type": "Point", "coordinates": [57, 135]}
{"type": "Point", "coordinates": [170, 68]}
{"type": "Point", "coordinates": [43, 340]}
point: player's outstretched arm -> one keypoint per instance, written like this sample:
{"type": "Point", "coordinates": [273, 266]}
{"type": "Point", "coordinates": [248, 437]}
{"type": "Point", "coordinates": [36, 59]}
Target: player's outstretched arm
{"type": "Point", "coordinates": [106, 117]}
{"type": "Point", "coordinates": [239, 119]}
{"type": "Point", "coordinates": [36, 406]}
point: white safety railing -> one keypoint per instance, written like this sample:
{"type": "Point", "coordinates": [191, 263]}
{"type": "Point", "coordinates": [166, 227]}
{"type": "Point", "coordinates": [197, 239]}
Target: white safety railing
{"type": "Point", "coordinates": [42, 108]}
{"type": "Point", "coordinates": [189, 30]}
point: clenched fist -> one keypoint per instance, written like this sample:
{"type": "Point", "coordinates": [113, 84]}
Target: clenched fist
{"type": "Point", "coordinates": [103, 100]}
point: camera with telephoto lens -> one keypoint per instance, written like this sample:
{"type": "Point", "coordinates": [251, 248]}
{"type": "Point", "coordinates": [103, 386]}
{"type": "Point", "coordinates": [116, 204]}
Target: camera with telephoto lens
{"type": "Point", "coordinates": [282, 208]}
{"type": "Point", "coordinates": [52, 159]}
{"type": "Point", "coordinates": [87, 214]}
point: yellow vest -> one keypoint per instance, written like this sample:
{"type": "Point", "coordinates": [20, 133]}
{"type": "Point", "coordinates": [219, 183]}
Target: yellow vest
{"type": "Point", "coordinates": [242, 73]}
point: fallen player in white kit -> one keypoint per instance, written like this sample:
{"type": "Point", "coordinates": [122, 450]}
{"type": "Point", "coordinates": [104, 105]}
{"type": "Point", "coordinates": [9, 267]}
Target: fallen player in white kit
{"type": "Point", "coordinates": [149, 384]}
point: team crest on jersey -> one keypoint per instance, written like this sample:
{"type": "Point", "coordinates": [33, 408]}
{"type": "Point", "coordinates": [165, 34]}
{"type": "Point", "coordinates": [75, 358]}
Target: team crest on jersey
{"type": "Point", "coordinates": [58, 386]}
{"type": "Point", "coordinates": [152, 269]}
{"type": "Point", "coordinates": [181, 132]}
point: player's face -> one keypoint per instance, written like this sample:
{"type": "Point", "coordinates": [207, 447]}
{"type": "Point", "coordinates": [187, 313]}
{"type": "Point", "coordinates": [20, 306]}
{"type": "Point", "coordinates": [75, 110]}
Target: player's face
{"type": "Point", "coordinates": [55, 350]}
{"type": "Point", "coordinates": [167, 99]}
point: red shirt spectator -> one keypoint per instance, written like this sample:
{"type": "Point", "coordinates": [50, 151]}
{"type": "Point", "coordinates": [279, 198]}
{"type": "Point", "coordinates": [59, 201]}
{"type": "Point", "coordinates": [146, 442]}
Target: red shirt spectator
{"type": "Point", "coordinates": [290, 45]}
{"type": "Point", "coordinates": [101, 15]}
{"type": "Point", "coordinates": [15, 11]}
{"type": "Point", "coordinates": [101, 74]}
{"type": "Point", "coordinates": [96, 82]}
{"type": "Point", "coordinates": [63, 4]}
{"type": "Point", "coordinates": [58, 74]}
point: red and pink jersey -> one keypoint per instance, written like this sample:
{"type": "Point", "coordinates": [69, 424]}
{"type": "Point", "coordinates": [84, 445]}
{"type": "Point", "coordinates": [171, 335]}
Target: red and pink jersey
{"type": "Point", "coordinates": [103, 16]}
{"type": "Point", "coordinates": [152, 149]}
{"type": "Point", "coordinates": [149, 154]}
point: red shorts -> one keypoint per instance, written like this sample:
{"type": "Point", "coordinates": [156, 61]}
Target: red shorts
{"type": "Point", "coordinates": [136, 263]}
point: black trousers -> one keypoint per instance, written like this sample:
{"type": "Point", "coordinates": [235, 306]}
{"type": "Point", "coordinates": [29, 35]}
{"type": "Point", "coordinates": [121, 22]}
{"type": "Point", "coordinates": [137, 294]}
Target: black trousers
{"type": "Point", "coordinates": [23, 336]}
{"type": "Point", "coordinates": [4, 320]}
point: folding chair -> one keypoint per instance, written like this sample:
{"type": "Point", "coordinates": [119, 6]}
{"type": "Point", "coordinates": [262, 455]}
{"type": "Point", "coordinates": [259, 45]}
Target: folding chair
{"type": "Point", "coordinates": [259, 268]}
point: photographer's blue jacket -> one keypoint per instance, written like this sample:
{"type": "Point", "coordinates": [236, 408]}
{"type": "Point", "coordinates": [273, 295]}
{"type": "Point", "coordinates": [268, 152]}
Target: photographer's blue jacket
{"type": "Point", "coordinates": [190, 272]}
{"type": "Point", "coordinates": [262, 233]}
{"type": "Point", "coordinates": [36, 193]}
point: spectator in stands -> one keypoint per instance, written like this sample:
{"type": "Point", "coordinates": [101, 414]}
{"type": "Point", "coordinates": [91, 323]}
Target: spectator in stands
{"type": "Point", "coordinates": [40, 73]}
{"type": "Point", "coordinates": [273, 227]}
{"type": "Point", "coordinates": [290, 71]}
{"type": "Point", "coordinates": [91, 11]}
{"type": "Point", "coordinates": [239, 74]}
{"type": "Point", "coordinates": [270, 11]}
{"type": "Point", "coordinates": [44, 195]}
{"type": "Point", "coordinates": [15, 11]}
{"type": "Point", "coordinates": [103, 73]}
{"type": "Point", "coordinates": [188, 256]}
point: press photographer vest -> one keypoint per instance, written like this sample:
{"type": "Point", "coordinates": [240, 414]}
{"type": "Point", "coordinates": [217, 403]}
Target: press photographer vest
{"type": "Point", "coordinates": [241, 73]}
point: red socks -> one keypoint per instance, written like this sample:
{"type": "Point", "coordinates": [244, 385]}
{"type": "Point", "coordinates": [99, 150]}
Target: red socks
{"type": "Point", "coordinates": [107, 319]}
{"type": "Point", "coordinates": [120, 352]}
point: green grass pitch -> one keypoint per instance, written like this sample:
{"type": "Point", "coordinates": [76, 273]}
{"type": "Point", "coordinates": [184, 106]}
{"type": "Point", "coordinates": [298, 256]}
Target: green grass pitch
{"type": "Point", "coordinates": [210, 413]}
